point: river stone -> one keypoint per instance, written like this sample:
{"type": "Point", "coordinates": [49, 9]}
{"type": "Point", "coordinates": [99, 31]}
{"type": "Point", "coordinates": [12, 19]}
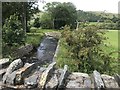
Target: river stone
{"type": "Point", "coordinates": [16, 64]}
{"type": "Point", "coordinates": [52, 84]}
{"type": "Point", "coordinates": [46, 74]}
{"type": "Point", "coordinates": [97, 80]}
{"type": "Point", "coordinates": [63, 76]}
{"type": "Point", "coordinates": [23, 72]}
{"type": "Point", "coordinates": [109, 81]}
{"type": "Point", "coordinates": [4, 62]}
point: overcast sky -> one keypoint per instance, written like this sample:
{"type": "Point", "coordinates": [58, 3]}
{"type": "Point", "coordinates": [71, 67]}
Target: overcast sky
{"type": "Point", "coordinates": [91, 5]}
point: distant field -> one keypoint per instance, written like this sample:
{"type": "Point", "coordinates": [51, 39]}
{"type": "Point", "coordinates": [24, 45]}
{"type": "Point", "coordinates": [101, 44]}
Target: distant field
{"type": "Point", "coordinates": [112, 41]}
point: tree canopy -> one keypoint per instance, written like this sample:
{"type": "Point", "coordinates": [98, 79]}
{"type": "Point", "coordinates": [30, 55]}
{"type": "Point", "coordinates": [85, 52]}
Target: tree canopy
{"type": "Point", "coordinates": [62, 14]}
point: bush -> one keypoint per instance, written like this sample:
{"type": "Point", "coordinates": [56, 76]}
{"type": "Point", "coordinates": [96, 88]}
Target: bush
{"type": "Point", "coordinates": [84, 46]}
{"type": "Point", "coordinates": [12, 31]}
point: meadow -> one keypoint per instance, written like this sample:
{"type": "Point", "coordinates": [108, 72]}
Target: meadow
{"type": "Point", "coordinates": [112, 42]}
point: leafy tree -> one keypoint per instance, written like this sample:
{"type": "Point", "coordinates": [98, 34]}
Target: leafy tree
{"type": "Point", "coordinates": [62, 14]}
{"type": "Point", "coordinates": [12, 31]}
{"type": "Point", "coordinates": [46, 21]}
{"type": "Point", "coordinates": [24, 10]}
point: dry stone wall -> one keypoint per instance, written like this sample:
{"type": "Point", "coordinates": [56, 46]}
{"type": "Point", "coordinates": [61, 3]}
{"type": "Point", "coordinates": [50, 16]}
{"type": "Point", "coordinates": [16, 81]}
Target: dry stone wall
{"type": "Point", "coordinates": [46, 78]}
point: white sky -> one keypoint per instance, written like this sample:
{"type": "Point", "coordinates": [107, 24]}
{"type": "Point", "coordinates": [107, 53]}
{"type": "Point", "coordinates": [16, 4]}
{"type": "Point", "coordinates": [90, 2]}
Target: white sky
{"type": "Point", "coordinates": [91, 5]}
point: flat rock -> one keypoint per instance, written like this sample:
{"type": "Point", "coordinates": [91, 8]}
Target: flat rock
{"type": "Point", "coordinates": [109, 81]}
{"type": "Point", "coordinates": [23, 72]}
{"type": "Point", "coordinates": [46, 74]}
{"type": "Point", "coordinates": [16, 64]}
{"type": "Point", "coordinates": [98, 80]}
{"type": "Point", "coordinates": [4, 62]}
{"type": "Point", "coordinates": [52, 83]}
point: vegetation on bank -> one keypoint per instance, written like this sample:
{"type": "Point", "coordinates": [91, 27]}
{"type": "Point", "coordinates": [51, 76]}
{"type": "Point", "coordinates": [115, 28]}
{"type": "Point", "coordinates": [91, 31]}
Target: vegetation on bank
{"type": "Point", "coordinates": [80, 56]}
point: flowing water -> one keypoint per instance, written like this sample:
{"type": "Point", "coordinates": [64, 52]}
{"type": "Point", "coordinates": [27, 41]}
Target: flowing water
{"type": "Point", "coordinates": [46, 50]}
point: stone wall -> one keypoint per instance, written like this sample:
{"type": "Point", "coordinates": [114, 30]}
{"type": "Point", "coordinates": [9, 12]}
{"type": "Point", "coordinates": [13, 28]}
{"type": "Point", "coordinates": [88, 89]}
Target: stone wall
{"type": "Point", "coordinates": [28, 77]}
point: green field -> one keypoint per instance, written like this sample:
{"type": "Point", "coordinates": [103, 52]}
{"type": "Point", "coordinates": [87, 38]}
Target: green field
{"type": "Point", "coordinates": [112, 42]}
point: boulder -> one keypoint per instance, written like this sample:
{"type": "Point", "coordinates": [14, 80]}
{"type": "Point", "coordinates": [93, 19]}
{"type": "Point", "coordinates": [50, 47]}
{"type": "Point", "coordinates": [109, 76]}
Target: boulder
{"type": "Point", "coordinates": [16, 64]}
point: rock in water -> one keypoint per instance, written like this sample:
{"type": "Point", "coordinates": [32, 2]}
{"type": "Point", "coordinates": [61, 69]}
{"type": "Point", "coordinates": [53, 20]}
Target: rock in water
{"type": "Point", "coordinates": [16, 64]}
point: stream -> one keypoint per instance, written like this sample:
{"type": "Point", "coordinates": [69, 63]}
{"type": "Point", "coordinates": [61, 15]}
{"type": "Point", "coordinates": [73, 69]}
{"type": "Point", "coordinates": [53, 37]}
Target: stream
{"type": "Point", "coordinates": [44, 53]}
{"type": "Point", "coordinates": [47, 48]}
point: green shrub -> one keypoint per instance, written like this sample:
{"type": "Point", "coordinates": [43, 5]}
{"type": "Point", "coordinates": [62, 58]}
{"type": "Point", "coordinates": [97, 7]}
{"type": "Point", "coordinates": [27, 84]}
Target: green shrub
{"type": "Point", "coordinates": [12, 31]}
{"type": "Point", "coordinates": [85, 52]}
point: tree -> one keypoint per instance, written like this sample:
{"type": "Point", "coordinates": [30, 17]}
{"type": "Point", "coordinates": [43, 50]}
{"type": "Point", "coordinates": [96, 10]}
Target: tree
{"type": "Point", "coordinates": [24, 10]}
{"type": "Point", "coordinates": [46, 21]}
{"type": "Point", "coordinates": [62, 14]}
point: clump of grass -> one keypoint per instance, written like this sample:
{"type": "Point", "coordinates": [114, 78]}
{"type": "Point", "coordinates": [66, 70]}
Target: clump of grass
{"type": "Point", "coordinates": [34, 39]}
